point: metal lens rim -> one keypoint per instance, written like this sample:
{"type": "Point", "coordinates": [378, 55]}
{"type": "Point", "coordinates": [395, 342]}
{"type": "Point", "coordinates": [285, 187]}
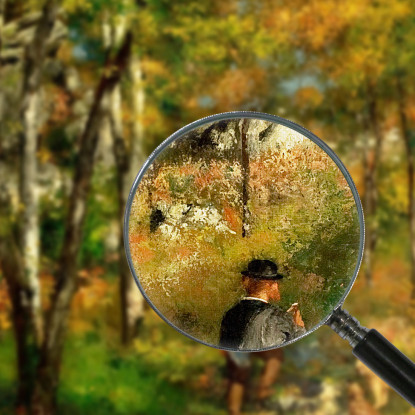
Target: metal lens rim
{"type": "Point", "coordinates": [228, 116]}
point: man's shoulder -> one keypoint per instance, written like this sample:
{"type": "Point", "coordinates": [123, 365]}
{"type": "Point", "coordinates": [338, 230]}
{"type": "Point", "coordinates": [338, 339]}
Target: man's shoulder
{"type": "Point", "coordinates": [245, 305]}
{"type": "Point", "coordinates": [272, 313]}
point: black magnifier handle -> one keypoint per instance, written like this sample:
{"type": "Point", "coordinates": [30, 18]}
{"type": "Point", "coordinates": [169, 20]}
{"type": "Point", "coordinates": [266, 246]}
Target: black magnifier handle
{"type": "Point", "coordinates": [377, 353]}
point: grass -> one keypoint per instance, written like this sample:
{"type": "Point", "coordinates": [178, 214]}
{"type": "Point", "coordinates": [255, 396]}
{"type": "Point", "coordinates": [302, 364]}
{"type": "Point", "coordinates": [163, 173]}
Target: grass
{"type": "Point", "coordinates": [163, 373]}
{"type": "Point", "coordinates": [100, 379]}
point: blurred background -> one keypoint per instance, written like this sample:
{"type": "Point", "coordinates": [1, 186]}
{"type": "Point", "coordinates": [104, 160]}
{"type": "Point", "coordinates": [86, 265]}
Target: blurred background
{"type": "Point", "coordinates": [87, 90]}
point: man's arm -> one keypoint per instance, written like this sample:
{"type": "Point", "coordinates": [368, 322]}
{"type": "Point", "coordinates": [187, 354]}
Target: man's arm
{"type": "Point", "coordinates": [299, 327]}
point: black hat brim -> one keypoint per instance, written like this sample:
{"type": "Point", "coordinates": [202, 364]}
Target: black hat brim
{"type": "Point", "coordinates": [258, 276]}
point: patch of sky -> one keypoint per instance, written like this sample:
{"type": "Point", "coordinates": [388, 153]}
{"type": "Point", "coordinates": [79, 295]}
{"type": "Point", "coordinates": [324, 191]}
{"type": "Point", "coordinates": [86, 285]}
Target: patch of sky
{"type": "Point", "coordinates": [206, 101]}
{"type": "Point", "coordinates": [292, 85]}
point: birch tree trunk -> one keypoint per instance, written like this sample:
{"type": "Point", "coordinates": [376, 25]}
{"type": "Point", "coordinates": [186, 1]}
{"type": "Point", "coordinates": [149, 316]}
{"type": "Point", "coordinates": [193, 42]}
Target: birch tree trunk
{"type": "Point", "coordinates": [370, 163]}
{"type": "Point", "coordinates": [410, 173]}
{"type": "Point", "coordinates": [128, 164]}
{"type": "Point", "coordinates": [2, 9]}
{"type": "Point", "coordinates": [126, 160]}
{"type": "Point", "coordinates": [44, 397]}
{"type": "Point", "coordinates": [34, 58]}
{"type": "Point", "coordinates": [133, 311]}
{"type": "Point", "coordinates": [20, 257]}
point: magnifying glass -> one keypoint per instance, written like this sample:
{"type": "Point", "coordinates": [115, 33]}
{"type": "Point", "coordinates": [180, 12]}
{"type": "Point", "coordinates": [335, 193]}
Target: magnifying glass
{"type": "Point", "coordinates": [245, 232]}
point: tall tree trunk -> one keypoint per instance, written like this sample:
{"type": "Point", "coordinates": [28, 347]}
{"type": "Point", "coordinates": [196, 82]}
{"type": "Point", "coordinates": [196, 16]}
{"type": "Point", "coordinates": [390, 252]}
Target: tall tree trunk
{"type": "Point", "coordinates": [410, 173]}
{"type": "Point", "coordinates": [128, 164]}
{"type": "Point", "coordinates": [44, 397]}
{"type": "Point", "coordinates": [2, 10]}
{"type": "Point", "coordinates": [138, 156]}
{"type": "Point", "coordinates": [20, 258]}
{"type": "Point", "coordinates": [122, 163]}
{"type": "Point", "coordinates": [370, 162]}
{"type": "Point", "coordinates": [19, 293]}
{"type": "Point", "coordinates": [34, 58]}
{"type": "Point", "coordinates": [134, 300]}
{"type": "Point", "coordinates": [132, 304]}
{"type": "Point", "coordinates": [245, 176]}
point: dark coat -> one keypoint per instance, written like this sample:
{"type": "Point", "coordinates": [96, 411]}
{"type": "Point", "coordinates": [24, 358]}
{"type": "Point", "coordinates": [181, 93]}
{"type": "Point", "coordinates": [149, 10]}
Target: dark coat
{"type": "Point", "coordinates": [255, 325]}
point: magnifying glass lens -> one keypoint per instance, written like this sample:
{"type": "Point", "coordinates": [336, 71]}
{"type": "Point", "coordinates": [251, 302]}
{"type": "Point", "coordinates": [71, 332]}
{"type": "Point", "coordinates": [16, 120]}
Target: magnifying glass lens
{"type": "Point", "coordinates": [244, 231]}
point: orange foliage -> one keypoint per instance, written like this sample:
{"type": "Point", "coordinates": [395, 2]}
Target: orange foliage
{"type": "Point", "coordinates": [389, 284]}
{"type": "Point", "coordinates": [47, 284]}
{"type": "Point", "coordinates": [308, 97]}
{"type": "Point", "coordinates": [184, 252]}
{"type": "Point", "coordinates": [188, 170]}
{"type": "Point", "coordinates": [237, 86]}
{"type": "Point", "coordinates": [141, 254]}
{"type": "Point", "coordinates": [61, 109]}
{"type": "Point", "coordinates": [232, 217]}
{"type": "Point", "coordinates": [410, 109]}
{"type": "Point", "coordinates": [318, 23]}
{"type": "Point", "coordinates": [93, 294]}
{"type": "Point", "coordinates": [215, 172]}
{"type": "Point", "coordinates": [137, 238]}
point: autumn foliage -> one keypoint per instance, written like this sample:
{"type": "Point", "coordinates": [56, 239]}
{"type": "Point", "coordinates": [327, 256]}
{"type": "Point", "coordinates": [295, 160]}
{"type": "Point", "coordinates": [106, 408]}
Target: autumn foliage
{"type": "Point", "coordinates": [302, 215]}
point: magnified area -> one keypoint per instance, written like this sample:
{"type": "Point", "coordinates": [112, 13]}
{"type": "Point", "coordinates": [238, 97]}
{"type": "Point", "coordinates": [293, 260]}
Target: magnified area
{"type": "Point", "coordinates": [244, 234]}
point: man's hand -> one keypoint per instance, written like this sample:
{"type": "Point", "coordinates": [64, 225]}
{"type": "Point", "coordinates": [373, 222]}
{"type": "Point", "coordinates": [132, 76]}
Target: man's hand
{"type": "Point", "coordinates": [295, 312]}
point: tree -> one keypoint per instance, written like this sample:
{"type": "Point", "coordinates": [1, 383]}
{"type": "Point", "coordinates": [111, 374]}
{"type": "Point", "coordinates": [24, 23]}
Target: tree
{"type": "Point", "coordinates": [399, 67]}
{"type": "Point", "coordinates": [128, 160]}
{"type": "Point", "coordinates": [44, 398]}
{"type": "Point", "coordinates": [22, 278]}
{"type": "Point", "coordinates": [39, 356]}
{"type": "Point", "coordinates": [245, 176]}
{"type": "Point", "coordinates": [343, 54]}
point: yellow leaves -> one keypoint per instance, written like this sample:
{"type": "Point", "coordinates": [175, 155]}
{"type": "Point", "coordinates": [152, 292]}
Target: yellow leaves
{"type": "Point", "coordinates": [318, 23]}
{"type": "Point", "coordinates": [397, 196]}
{"type": "Point", "coordinates": [5, 306]}
{"type": "Point", "coordinates": [64, 53]}
{"type": "Point", "coordinates": [308, 97]}
{"type": "Point", "coordinates": [72, 6]}
{"type": "Point", "coordinates": [44, 155]}
{"type": "Point", "coordinates": [350, 44]}
{"type": "Point", "coordinates": [154, 68]}
{"type": "Point", "coordinates": [91, 299]}
{"type": "Point", "coordinates": [237, 86]}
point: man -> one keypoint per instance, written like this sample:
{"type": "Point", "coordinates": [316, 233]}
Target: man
{"type": "Point", "coordinates": [255, 324]}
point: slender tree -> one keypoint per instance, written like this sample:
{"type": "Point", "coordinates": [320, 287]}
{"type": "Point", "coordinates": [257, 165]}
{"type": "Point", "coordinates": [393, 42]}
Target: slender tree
{"type": "Point", "coordinates": [34, 57]}
{"type": "Point", "coordinates": [244, 125]}
{"type": "Point", "coordinates": [128, 160]}
{"type": "Point", "coordinates": [406, 136]}
{"type": "Point", "coordinates": [44, 397]}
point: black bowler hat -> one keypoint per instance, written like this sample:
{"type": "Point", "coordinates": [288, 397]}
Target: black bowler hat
{"type": "Point", "coordinates": [262, 269]}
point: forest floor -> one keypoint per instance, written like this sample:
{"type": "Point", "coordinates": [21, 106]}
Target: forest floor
{"type": "Point", "coordinates": [165, 373]}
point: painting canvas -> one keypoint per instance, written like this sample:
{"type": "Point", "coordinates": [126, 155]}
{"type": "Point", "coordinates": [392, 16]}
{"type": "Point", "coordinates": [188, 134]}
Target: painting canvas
{"type": "Point", "coordinates": [231, 192]}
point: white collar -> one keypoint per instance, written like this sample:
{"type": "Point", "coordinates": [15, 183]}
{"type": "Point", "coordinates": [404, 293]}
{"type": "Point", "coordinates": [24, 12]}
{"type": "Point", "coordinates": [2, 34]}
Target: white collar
{"type": "Point", "coordinates": [255, 298]}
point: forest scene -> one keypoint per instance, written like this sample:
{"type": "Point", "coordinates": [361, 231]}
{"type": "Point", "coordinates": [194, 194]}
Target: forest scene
{"type": "Point", "coordinates": [232, 191]}
{"type": "Point", "coordinates": [88, 89]}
